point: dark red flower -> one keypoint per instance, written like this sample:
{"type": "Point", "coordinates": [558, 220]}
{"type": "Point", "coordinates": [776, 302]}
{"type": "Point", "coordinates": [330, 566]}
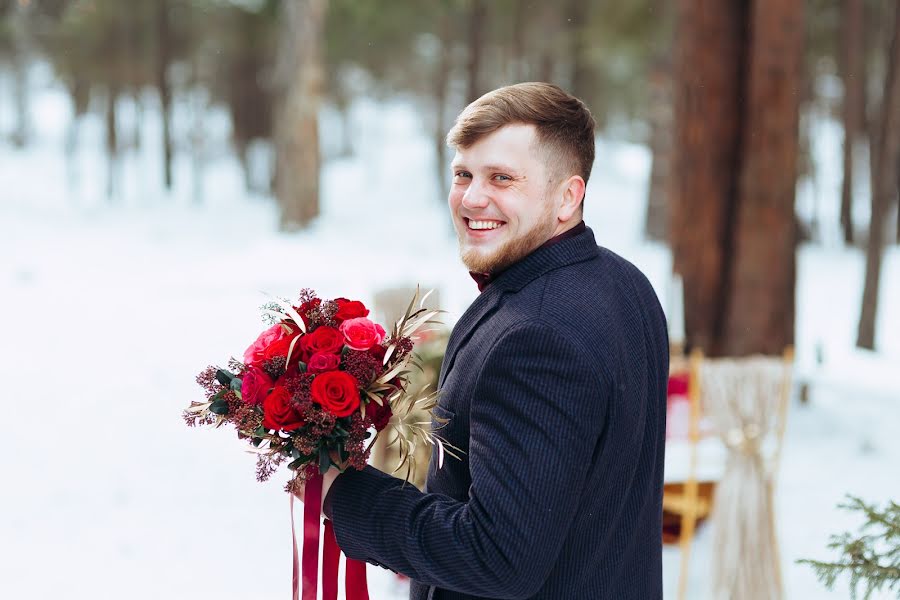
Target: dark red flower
{"type": "Point", "coordinates": [380, 415]}
{"type": "Point", "coordinates": [306, 308]}
{"type": "Point", "coordinates": [323, 361]}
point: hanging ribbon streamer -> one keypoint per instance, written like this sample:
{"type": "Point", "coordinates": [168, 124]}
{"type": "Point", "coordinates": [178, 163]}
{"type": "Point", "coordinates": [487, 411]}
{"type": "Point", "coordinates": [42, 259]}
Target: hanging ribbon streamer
{"type": "Point", "coordinates": [356, 586]}
{"type": "Point", "coordinates": [355, 581]}
{"type": "Point", "coordinates": [331, 556]}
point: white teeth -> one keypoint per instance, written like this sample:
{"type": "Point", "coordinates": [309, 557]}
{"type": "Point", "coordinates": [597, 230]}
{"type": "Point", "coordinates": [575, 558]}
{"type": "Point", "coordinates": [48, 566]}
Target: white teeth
{"type": "Point", "coordinates": [484, 224]}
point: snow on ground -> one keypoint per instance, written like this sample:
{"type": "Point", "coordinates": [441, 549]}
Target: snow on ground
{"type": "Point", "coordinates": [109, 309]}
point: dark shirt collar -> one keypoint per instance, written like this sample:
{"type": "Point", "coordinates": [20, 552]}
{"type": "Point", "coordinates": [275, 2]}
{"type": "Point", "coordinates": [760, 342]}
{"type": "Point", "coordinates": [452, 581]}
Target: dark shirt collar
{"type": "Point", "coordinates": [484, 279]}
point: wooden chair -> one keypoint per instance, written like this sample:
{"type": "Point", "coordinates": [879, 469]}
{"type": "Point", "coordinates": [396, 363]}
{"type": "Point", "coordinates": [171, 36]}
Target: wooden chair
{"type": "Point", "coordinates": [691, 500]}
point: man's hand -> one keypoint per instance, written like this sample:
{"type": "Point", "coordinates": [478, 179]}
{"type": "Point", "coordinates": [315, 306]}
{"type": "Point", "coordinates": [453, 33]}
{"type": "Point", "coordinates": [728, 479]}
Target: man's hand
{"type": "Point", "coordinates": [327, 479]}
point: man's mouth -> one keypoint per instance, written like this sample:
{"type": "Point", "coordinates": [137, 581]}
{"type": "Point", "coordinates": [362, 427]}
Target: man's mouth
{"type": "Point", "coordinates": [483, 225]}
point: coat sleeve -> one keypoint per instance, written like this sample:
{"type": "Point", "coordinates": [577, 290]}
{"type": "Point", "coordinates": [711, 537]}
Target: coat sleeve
{"type": "Point", "coordinates": [536, 415]}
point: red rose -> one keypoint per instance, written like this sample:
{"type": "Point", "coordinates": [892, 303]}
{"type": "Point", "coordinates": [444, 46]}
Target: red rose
{"type": "Point", "coordinates": [326, 340]}
{"type": "Point", "coordinates": [323, 361]}
{"type": "Point", "coordinates": [349, 309]}
{"type": "Point", "coordinates": [336, 392]}
{"type": "Point", "coordinates": [255, 384]}
{"type": "Point", "coordinates": [281, 348]}
{"type": "Point", "coordinates": [279, 412]}
{"type": "Point", "coordinates": [361, 333]}
{"type": "Point", "coordinates": [380, 415]}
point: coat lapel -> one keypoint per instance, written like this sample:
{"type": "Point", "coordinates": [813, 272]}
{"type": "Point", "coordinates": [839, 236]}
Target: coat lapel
{"type": "Point", "coordinates": [577, 249]}
{"type": "Point", "coordinates": [482, 305]}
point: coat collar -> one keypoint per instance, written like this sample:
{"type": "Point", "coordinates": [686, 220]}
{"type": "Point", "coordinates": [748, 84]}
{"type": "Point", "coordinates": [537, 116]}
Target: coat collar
{"type": "Point", "coordinates": [540, 262]}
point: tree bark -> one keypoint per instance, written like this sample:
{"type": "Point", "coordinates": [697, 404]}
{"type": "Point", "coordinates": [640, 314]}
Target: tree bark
{"type": "Point", "coordinates": [887, 157]}
{"type": "Point", "coordinates": [709, 51]}
{"type": "Point", "coordinates": [163, 60]}
{"type": "Point", "coordinates": [759, 314]}
{"type": "Point", "coordinates": [854, 80]}
{"type": "Point", "coordinates": [301, 76]}
{"type": "Point", "coordinates": [732, 225]}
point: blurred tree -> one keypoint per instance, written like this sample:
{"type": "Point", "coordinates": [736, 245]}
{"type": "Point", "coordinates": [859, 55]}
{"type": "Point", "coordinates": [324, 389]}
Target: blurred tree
{"type": "Point", "coordinates": [299, 76]}
{"type": "Point", "coordinates": [853, 76]}
{"type": "Point", "coordinates": [659, 118]}
{"type": "Point", "coordinates": [886, 160]}
{"type": "Point", "coordinates": [737, 72]}
{"type": "Point", "coordinates": [20, 29]}
{"type": "Point", "coordinates": [477, 25]}
{"type": "Point", "coordinates": [242, 49]}
{"type": "Point", "coordinates": [164, 46]}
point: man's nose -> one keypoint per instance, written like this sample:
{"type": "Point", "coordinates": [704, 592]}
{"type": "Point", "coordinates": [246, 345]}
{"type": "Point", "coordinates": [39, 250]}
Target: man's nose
{"type": "Point", "coordinates": [475, 196]}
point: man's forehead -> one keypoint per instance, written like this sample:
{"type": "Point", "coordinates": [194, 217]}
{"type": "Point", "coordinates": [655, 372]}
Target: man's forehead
{"type": "Point", "coordinates": [506, 147]}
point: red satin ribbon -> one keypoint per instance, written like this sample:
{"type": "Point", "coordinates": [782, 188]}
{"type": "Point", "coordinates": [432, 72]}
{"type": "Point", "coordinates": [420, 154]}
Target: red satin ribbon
{"type": "Point", "coordinates": [331, 556]}
{"type": "Point", "coordinates": [356, 587]}
{"type": "Point", "coordinates": [355, 580]}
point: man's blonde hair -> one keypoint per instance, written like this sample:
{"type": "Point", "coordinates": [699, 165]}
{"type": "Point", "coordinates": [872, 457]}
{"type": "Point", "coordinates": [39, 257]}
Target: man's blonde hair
{"type": "Point", "coordinates": [565, 126]}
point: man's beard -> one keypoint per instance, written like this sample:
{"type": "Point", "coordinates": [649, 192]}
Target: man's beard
{"type": "Point", "coordinates": [511, 251]}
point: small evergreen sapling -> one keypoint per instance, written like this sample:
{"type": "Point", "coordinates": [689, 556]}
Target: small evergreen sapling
{"type": "Point", "coordinates": [871, 557]}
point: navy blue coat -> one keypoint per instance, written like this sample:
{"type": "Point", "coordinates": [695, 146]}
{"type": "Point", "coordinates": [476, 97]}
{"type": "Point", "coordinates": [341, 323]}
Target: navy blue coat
{"type": "Point", "coordinates": [554, 382]}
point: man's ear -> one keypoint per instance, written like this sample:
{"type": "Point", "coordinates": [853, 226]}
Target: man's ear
{"type": "Point", "coordinates": [572, 197]}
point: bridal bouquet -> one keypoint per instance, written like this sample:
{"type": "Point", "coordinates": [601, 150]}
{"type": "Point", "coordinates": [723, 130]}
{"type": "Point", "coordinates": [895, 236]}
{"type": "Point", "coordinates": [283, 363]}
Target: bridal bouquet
{"type": "Point", "coordinates": [309, 391]}
{"type": "Point", "coordinates": [312, 386]}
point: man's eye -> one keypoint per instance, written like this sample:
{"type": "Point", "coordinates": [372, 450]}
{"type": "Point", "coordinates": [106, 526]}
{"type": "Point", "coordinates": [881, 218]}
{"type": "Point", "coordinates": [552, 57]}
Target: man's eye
{"type": "Point", "coordinates": [460, 174]}
{"type": "Point", "coordinates": [502, 178]}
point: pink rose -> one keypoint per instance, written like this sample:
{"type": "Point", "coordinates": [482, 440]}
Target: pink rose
{"type": "Point", "coordinates": [255, 354]}
{"type": "Point", "coordinates": [361, 333]}
{"type": "Point", "coordinates": [255, 384]}
{"type": "Point", "coordinates": [323, 361]}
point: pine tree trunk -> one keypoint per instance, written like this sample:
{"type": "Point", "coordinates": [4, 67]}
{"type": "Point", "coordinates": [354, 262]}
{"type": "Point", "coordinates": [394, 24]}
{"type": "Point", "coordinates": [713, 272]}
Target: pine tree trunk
{"type": "Point", "coordinates": [853, 76]}
{"type": "Point", "coordinates": [887, 157]}
{"type": "Point", "coordinates": [732, 225]}
{"type": "Point", "coordinates": [20, 34]}
{"type": "Point", "coordinates": [656, 222]}
{"type": "Point", "coordinates": [760, 300]}
{"type": "Point", "coordinates": [163, 60]}
{"type": "Point", "coordinates": [477, 17]}
{"type": "Point", "coordinates": [441, 85]}
{"type": "Point", "coordinates": [579, 85]}
{"type": "Point", "coordinates": [520, 58]}
{"type": "Point", "coordinates": [301, 75]}
{"type": "Point", "coordinates": [708, 57]}
{"type": "Point", "coordinates": [112, 143]}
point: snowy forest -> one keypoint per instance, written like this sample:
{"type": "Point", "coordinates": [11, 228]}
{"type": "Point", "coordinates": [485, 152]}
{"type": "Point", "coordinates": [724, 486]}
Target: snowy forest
{"type": "Point", "coordinates": [162, 162]}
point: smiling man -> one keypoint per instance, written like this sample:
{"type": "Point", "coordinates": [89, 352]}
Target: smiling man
{"type": "Point", "coordinates": [553, 384]}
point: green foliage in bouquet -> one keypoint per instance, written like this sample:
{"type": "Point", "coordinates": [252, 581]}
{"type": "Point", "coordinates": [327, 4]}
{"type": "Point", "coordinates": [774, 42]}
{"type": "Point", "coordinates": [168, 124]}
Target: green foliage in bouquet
{"type": "Point", "coordinates": [871, 557]}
